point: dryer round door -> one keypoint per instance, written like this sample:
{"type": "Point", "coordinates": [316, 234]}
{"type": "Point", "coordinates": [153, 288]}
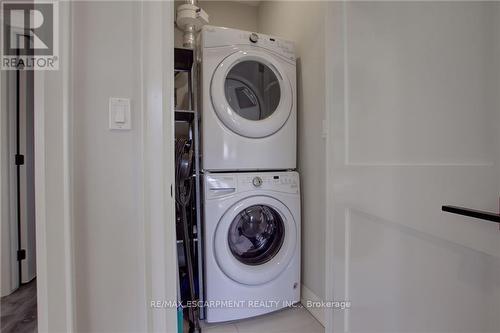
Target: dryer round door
{"type": "Point", "coordinates": [255, 240]}
{"type": "Point", "coordinates": [251, 94]}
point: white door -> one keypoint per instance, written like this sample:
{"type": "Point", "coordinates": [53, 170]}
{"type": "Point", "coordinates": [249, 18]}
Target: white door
{"type": "Point", "coordinates": [414, 125]}
{"type": "Point", "coordinates": [20, 115]}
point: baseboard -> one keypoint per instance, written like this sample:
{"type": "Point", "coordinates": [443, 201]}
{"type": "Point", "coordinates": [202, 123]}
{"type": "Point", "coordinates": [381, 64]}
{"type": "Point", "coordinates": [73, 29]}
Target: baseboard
{"type": "Point", "coordinates": [307, 295]}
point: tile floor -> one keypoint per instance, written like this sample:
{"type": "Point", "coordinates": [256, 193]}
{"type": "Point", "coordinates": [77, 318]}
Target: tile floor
{"type": "Point", "coordinates": [291, 320]}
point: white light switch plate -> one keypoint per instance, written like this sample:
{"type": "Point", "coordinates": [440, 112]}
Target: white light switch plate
{"type": "Point", "coordinates": [119, 114]}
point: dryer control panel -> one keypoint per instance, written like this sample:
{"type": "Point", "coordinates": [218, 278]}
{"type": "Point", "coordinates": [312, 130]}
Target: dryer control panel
{"type": "Point", "coordinates": [220, 36]}
{"type": "Point", "coordinates": [217, 185]}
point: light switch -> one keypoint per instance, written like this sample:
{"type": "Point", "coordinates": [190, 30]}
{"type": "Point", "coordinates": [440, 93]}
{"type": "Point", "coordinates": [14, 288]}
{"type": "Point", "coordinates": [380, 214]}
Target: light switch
{"type": "Point", "coordinates": [119, 114]}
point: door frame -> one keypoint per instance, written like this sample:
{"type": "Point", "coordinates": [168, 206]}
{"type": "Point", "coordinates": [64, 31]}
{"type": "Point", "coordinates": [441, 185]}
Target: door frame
{"type": "Point", "coordinates": [335, 93]}
{"type": "Point", "coordinates": [9, 123]}
{"type": "Point", "coordinates": [54, 242]}
{"type": "Point", "coordinates": [158, 173]}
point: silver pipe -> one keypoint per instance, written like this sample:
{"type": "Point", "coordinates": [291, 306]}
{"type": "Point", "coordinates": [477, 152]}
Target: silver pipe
{"type": "Point", "coordinates": [189, 37]}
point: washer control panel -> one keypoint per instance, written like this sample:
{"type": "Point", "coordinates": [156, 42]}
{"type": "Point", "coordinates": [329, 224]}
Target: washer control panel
{"type": "Point", "coordinates": [279, 181]}
{"type": "Point", "coordinates": [221, 185]}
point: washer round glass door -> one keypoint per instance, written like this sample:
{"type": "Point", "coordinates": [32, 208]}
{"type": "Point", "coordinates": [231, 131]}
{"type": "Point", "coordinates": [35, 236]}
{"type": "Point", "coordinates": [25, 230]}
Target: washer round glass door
{"type": "Point", "coordinates": [256, 234]}
{"type": "Point", "coordinates": [255, 240]}
{"type": "Point", "coordinates": [251, 94]}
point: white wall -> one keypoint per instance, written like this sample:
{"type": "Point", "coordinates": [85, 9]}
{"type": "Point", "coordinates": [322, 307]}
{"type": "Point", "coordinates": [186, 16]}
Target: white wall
{"type": "Point", "coordinates": [303, 23]}
{"type": "Point", "coordinates": [108, 228]}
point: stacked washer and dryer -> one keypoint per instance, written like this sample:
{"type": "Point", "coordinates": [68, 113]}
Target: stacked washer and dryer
{"type": "Point", "coordinates": [251, 191]}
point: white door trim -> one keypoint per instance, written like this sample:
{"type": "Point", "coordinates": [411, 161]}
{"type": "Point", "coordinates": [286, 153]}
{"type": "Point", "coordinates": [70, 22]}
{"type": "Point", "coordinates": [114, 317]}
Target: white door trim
{"type": "Point", "coordinates": [157, 76]}
{"type": "Point", "coordinates": [54, 243]}
{"type": "Point", "coordinates": [334, 57]}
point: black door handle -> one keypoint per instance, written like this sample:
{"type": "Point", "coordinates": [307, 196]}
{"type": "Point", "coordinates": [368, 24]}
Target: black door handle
{"type": "Point", "coordinates": [478, 214]}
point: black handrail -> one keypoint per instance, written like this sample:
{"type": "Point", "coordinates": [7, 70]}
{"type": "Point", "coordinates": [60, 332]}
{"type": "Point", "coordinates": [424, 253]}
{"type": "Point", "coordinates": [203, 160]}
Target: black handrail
{"type": "Point", "coordinates": [478, 214]}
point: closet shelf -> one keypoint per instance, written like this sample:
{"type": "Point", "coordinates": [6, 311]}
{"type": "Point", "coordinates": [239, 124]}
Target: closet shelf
{"type": "Point", "coordinates": [184, 65]}
{"type": "Point", "coordinates": [184, 115]}
{"type": "Point", "coordinates": [180, 241]}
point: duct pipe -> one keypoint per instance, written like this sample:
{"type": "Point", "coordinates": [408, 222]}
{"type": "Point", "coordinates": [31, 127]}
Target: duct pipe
{"type": "Point", "coordinates": [188, 40]}
{"type": "Point", "coordinates": [190, 19]}
{"type": "Point", "coordinates": [189, 31]}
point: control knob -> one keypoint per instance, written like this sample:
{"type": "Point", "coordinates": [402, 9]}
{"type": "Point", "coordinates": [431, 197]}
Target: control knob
{"type": "Point", "coordinates": [254, 37]}
{"type": "Point", "coordinates": [257, 181]}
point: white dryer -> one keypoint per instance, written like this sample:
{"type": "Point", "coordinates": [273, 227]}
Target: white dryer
{"type": "Point", "coordinates": [248, 101]}
{"type": "Point", "coordinates": [252, 243]}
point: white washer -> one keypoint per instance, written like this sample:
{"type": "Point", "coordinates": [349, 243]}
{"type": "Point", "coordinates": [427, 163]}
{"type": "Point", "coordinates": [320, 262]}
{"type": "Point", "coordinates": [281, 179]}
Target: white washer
{"type": "Point", "coordinates": [249, 112]}
{"type": "Point", "coordinates": [252, 243]}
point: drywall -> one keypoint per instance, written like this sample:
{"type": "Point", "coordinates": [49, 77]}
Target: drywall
{"type": "Point", "coordinates": [226, 14]}
{"type": "Point", "coordinates": [231, 14]}
{"type": "Point", "coordinates": [303, 23]}
{"type": "Point", "coordinates": [109, 249]}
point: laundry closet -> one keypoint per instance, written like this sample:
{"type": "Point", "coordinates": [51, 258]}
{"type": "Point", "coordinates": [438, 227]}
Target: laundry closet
{"type": "Point", "coordinates": [250, 199]}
